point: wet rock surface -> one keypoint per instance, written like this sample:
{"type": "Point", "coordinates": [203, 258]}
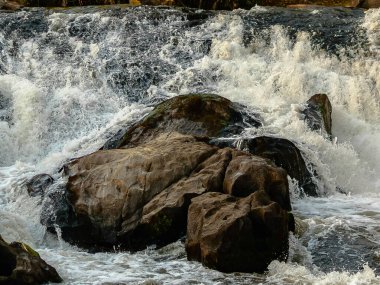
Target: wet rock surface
{"type": "Point", "coordinates": [38, 184]}
{"type": "Point", "coordinates": [140, 196]}
{"type": "Point", "coordinates": [21, 265]}
{"type": "Point", "coordinates": [155, 187]}
{"type": "Point", "coordinates": [237, 234]}
{"type": "Point", "coordinates": [108, 189]}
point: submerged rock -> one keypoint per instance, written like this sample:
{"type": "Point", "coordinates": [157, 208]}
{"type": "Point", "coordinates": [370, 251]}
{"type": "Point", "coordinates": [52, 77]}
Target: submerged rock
{"type": "Point", "coordinates": [237, 234]}
{"type": "Point", "coordinates": [194, 114]}
{"type": "Point", "coordinates": [21, 265]}
{"type": "Point", "coordinates": [318, 114]}
{"type": "Point", "coordinates": [38, 184]}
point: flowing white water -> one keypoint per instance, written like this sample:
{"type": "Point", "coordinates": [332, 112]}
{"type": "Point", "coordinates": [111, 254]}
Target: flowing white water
{"type": "Point", "coordinates": [69, 80]}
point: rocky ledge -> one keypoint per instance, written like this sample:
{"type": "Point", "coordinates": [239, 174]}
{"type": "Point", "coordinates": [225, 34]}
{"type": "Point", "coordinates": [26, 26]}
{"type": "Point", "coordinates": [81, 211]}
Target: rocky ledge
{"type": "Point", "coordinates": [166, 177]}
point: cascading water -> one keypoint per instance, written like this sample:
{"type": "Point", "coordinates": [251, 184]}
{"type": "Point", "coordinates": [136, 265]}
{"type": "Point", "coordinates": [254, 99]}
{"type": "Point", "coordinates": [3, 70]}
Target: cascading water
{"type": "Point", "coordinates": [70, 79]}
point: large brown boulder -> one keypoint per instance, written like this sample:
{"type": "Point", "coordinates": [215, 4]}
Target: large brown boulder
{"type": "Point", "coordinates": [237, 234]}
{"type": "Point", "coordinates": [108, 189]}
{"type": "Point", "coordinates": [21, 265]}
{"type": "Point", "coordinates": [139, 196]}
{"type": "Point", "coordinates": [318, 114]}
{"type": "Point", "coordinates": [195, 114]}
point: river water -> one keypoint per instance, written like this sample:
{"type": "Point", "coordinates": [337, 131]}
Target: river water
{"type": "Point", "coordinates": [70, 79]}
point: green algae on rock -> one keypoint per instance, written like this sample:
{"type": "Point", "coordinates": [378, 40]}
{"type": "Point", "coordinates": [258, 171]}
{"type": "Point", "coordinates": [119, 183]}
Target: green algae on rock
{"type": "Point", "coordinates": [194, 114]}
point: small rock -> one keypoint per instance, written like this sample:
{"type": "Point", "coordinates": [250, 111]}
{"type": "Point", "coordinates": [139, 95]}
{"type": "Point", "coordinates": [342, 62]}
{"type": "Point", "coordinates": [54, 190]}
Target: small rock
{"type": "Point", "coordinates": [37, 185]}
{"type": "Point", "coordinates": [20, 264]}
{"type": "Point", "coordinates": [318, 114]}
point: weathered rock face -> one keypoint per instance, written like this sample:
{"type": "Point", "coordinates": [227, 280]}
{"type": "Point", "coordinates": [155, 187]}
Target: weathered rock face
{"type": "Point", "coordinates": [284, 154]}
{"type": "Point", "coordinates": [38, 184]}
{"type": "Point", "coordinates": [318, 113]}
{"type": "Point", "coordinates": [21, 265]}
{"type": "Point", "coordinates": [194, 114]}
{"type": "Point", "coordinates": [164, 218]}
{"type": "Point", "coordinates": [248, 174]}
{"type": "Point", "coordinates": [236, 234]}
{"type": "Point", "coordinates": [108, 189]}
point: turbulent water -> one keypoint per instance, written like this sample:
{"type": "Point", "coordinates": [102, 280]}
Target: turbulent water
{"type": "Point", "coordinates": [70, 79]}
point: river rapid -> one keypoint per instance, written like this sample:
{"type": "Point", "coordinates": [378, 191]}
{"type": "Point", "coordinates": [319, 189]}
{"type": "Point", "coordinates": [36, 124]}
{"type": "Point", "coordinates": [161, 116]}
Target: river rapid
{"type": "Point", "coordinates": [71, 78]}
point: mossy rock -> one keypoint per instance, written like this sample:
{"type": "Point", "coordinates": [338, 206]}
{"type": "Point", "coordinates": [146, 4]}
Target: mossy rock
{"type": "Point", "coordinates": [194, 114]}
{"type": "Point", "coordinates": [20, 264]}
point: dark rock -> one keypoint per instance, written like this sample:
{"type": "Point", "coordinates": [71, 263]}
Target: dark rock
{"type": "Point", "coordinates": [284, 154]}
{"type": "Point", "coordinates": [38, 184]}
{"type": "Point", "coordinates": [58, 215]}
{"type": "Point", "coordinates": [237, 234]}
{"type": "Point", "coordinates": [21, 265]}
{"type": "Point", "coordinates": [194, 114]}
{"type": "Point", "coordinates": [318, 114]}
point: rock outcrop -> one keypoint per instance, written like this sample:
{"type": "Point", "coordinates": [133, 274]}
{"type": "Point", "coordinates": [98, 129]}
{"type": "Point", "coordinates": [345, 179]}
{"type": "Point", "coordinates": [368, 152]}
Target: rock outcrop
{"type": "Point", "coordinates": [195, 114]}
{"type": "Point", "coordinates": [237, 234]}
{"type": "Point", "coordinates": [139, 196]}
{"type": "Point", "coordinates": [21, 265]}
{"type": "Point", "coordinates": [318, 114]}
